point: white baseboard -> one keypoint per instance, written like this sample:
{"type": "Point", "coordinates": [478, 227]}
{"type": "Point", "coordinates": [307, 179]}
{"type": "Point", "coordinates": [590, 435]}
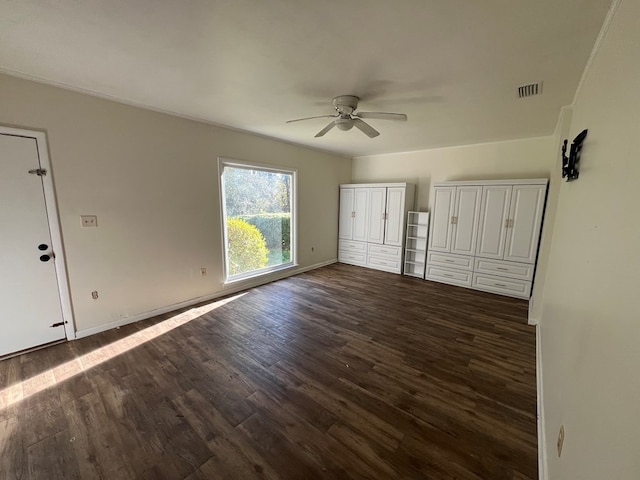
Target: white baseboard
{"type": "Point", "coordinates": [228, 290]}
{"type": "Point", "coordinates": [542, 438]}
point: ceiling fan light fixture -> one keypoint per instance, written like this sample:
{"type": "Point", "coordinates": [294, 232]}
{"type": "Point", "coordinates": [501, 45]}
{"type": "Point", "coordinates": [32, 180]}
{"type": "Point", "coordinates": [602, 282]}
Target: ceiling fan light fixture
{"type": "Point", "coordinates": [344, 124]}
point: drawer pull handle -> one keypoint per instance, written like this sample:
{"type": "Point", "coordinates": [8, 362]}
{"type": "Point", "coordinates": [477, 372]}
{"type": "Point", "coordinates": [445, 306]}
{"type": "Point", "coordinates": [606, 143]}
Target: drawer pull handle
{"type": "Point", "coordinates": [500, 285]}
{"type": "Point", "coordinates": [447, 275]}
{"type": "Point", "coordinates": [502, 268]}
{"type": "Point", "coordinates": [448, 261]}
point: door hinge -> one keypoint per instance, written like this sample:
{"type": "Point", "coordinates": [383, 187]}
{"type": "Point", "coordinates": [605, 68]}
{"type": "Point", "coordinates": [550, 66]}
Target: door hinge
{"type": "Point", "coordinates": [59, 324]}
{"type": "Point", "coordinates": [41, 172]}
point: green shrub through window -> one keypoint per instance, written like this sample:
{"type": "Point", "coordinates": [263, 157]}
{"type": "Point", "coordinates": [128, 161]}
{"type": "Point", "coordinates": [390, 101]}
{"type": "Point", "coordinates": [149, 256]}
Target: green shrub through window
{"type": "Point", "coordinates": [258, 220]}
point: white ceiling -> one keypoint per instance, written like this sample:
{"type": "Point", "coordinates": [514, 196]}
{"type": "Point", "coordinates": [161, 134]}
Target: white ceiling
{"type": "Point", "coordinates": [453, 66]}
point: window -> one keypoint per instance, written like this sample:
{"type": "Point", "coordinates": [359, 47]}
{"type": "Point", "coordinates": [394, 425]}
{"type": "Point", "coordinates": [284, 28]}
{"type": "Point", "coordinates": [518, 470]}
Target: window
{"type": "Point", "coordinates": [258, 205]}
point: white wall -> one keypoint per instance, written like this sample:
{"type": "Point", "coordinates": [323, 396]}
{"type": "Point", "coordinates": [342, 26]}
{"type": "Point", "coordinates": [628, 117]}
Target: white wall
{"type": "Point", "coordinates": [152, 181]}
{"type": "Point", "coordinates": [555, 179]}
{"type": "Point", "coordinates": [529, 158]}
{"type": "Point", "coordinates": [590, 319]}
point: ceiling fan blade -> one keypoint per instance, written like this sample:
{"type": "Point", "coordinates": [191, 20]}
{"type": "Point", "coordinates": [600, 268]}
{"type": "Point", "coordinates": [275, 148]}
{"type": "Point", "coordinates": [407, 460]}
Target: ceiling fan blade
{"type": "Point", "coordinates": [382, 115]}
{"type": "Point", "coordinates": [325, 129]}
{"type": "Point", "coordinates": [310, 118]}
{"type": "Point", "coordinates": [365, 128]}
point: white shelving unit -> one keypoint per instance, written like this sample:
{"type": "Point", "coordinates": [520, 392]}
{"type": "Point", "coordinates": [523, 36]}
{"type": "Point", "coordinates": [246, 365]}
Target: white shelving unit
{"type": "Point", "coordinates": [415, 251]}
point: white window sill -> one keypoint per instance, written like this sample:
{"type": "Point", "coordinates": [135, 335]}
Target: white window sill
{"type": "Point", "coordinates": [260, 273]}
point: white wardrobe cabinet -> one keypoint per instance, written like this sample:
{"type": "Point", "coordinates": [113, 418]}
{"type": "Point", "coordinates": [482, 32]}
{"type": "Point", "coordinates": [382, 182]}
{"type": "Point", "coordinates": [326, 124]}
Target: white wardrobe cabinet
{"type": "Point", "coordinates": [354, 203]}
{"type": "Point", "coordinates": [525, 223]}
{"type": "Point", "coordinates": [377, 210]}
{"type": "Point", "coordinates": [510, 222]}
{"type": "Point", "coordinates": [455, 219]}
{"type": "Point", "coordinates": [375, 238]}
{"type": "Point", "coordinates": [353, 225]}
{"type": "Point", "coordinates": [498, 252]}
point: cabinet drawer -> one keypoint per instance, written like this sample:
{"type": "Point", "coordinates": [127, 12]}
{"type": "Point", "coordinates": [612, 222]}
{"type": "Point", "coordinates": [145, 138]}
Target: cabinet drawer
{"type": "Point", "coordinates": [384, 263]}
{"type": "Point", "coordinates": [521, 271]}
{"type": "Point", "coordinates": [450, 261]}
{"type": "Point", "coordinates": [456, 277]}
{"type": "Point", "coordinates": [386, 251]}
{"type": "Point", "coordinates": [353, 258]}
{"type": "Point", "coordinates": [501, 285]}
{"type": "Point", "coordinates": [351, 246]}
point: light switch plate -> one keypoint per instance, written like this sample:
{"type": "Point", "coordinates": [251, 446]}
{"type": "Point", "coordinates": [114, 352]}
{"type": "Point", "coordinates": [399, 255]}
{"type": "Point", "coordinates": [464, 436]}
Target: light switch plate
{"type": "Point", "coordinates": [89, 221]}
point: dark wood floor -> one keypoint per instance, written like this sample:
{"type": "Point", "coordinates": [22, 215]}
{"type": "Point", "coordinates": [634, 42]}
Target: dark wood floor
{"type": "Point", "coordinates": [337, 373]}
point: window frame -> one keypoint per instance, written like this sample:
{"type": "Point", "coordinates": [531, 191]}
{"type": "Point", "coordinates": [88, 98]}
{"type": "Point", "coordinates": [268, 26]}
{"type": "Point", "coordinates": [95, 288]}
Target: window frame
{"type": "Point", "coordinates": [248, 165]}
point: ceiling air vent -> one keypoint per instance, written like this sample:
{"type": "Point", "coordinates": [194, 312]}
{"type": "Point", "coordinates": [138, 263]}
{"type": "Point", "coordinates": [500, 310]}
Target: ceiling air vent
{"type": "Point", "coordinates": [529, 90]}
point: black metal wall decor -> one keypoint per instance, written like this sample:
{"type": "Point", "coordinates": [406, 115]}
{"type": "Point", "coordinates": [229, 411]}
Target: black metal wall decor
{"type": "Point", "coordinates": [570, 163]}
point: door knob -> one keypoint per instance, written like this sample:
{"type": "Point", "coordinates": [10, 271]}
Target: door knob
{"type": "Point", "coordinates": [45, 258]}
{"type": "Point", "coordinates": [43, 246]}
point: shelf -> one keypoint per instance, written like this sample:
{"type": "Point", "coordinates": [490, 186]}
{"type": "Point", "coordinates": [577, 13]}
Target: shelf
{"type": "Point", "coordinates": [411, 262]}
{"type": "Point", "coordinates": [415, 258]}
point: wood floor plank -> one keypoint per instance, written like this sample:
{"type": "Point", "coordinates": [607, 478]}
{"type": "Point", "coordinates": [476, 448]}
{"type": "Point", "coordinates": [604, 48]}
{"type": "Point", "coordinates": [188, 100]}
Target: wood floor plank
{"type": "Point", "coordinates": [52, 459]}
{"type": "Point", "coordinates": [231, 454]}
{"type": "Point", "coordinates": [337, 373]}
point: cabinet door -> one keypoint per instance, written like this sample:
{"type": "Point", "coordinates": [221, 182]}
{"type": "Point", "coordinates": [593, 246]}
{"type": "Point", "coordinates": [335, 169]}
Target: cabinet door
{"type": "Point", "coordinates": [361, 207]}
{"type": "Point", "coordinates": [345, 222]}
{"type": "Point", "coordinates": [525, 221]}
{"type": "Point", "coordinates": [393, 234]}
{"type": "Point", "coordinates": [441, 219]}
{"type": "Point", "coordinates": [465, 225]}
{"type": "Point", "coordinates": [377, 201]}
{"type": "Point", "coordinates": [492, 227]}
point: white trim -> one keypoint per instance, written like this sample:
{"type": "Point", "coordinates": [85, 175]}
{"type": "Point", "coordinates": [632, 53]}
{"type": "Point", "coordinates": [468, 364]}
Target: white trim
{"type": "Point", "coordinates": [374, 185]}
{"type": "Point", "coordinates": [542, 438]}
{"type": "Point", "coordinates": [51, 207]}
{"type": "Point", "coordinates": [237, 287]}
{"type": "Point", "coordinates": [519, 181]}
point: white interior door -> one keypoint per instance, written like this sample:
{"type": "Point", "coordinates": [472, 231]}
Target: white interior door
{"type": "Point", "coordinates": [523, 235]}
{"type": "Point", "coordinates": [361, 220]}
{"type": "Point", "coordinates": [29, 292]}
{"type": "Point", "coordinates": [465, 226]}
{"type": "Point", "coordinates": [377, 201]}
{"type": "Point", "coordinates": [493, 225]}
{"type": "Point", "coordinates": [395, 216]}
{"type": "Point", "coordinates": [345, 218]}
{"type": "Point", "coordinates": [441, 219]}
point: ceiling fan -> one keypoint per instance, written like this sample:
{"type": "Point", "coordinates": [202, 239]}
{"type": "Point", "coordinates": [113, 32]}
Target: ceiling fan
{"type": "Point", "coordinates": [346, 119]}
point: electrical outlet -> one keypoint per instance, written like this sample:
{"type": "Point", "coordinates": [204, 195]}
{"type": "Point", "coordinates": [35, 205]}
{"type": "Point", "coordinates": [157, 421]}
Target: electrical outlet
{"type": "Point", "coordinates": [94, 294]}
{"type": "Point", "coordinates": [89, 221]}
{"type": "Point", "coordinates": [203, 272]}
{"type": "Point", "coordinates": [560, 440]}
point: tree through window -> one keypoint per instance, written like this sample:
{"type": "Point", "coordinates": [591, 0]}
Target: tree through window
{"type": "Point", "coordinates": [258, 218]}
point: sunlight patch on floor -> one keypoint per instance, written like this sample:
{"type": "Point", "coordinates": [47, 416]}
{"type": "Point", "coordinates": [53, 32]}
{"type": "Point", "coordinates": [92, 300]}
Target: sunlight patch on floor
{"type": "Point", "coordinates": [25, 389]}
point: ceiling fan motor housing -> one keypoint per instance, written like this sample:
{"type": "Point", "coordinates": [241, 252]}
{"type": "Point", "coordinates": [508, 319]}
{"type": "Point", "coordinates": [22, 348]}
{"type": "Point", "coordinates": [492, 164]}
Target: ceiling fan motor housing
{"type": "Point", "coordinates": [345, 104]}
